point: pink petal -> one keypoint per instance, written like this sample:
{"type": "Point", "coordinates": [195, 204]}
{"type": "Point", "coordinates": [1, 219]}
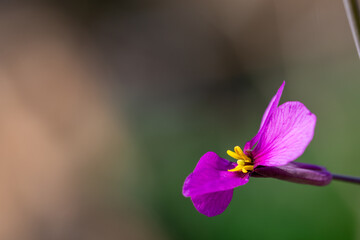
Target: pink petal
{"type": "Point", "coordinates": [268, 112]}
{"type": "Point", "coordinates": [211, 175]}
{"type": "Point", "coordinates": [212, 204]}
{"type": "Point", "coordinates": [285, 136]}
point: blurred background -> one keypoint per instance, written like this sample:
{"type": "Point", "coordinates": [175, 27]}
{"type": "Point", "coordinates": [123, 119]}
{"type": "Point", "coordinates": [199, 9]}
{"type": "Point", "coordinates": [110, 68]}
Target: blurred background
{"type": "Point", "coordinates": [106, 107]}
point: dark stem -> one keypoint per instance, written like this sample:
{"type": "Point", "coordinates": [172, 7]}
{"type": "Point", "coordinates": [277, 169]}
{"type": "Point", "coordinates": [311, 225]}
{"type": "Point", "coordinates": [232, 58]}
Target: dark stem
{"type": "Point", "coordinates": [346, 178]}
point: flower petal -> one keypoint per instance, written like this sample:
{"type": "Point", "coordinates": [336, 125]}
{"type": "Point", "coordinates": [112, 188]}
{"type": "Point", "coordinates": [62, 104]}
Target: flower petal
{"type": "Point", "coordinates": [286, 135]}
{"type": "Point", "coordinates": [212, 204]}
{"type": "Point", "coordinates": [268, 112]}
{"type": "Point", "coordinates": [211, 175]}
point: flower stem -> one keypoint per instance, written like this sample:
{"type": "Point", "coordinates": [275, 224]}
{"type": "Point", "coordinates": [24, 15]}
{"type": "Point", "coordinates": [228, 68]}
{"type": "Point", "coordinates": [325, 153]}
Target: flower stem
{"type": "Point", "coordinates": [352, 12]}
{"type": "Point", "coordinates": [346, 178]}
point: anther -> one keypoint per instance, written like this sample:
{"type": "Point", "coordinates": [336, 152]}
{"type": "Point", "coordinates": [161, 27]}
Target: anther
{"type": "Point", "coordinates": [244, 163]}
{"type": "Point", "coordinates": [233, 154]}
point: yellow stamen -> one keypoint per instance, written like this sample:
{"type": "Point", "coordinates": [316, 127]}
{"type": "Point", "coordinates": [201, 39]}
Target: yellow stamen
{"type": "Point", "coordinates": [244, 163]}
{"type": "Point", "coordinates": [240, 162]}
{"type": "Point", "coordinates": [247, 168]}
{"type": "Point", "coordinates": [238, 150]}
{"type": "Point", "coordinates": [233, 154]}
{"type": "Point", "coordinates": [238, 154]}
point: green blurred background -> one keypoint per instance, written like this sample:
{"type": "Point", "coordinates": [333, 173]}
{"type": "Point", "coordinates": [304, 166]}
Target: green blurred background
{"type": "Point", "coordinates": [108, 105]}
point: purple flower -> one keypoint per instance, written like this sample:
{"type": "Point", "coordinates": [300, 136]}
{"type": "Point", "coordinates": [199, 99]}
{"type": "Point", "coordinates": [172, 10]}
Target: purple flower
{"type": "Point", "coordinates": [285, 132]}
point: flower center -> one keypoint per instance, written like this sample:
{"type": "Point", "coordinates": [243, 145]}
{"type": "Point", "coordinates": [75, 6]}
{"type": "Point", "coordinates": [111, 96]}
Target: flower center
{"type": "Point", "coordinates": [244, 163]}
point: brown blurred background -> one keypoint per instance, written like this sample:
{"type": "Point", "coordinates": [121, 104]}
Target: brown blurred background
{"type": "Point", "coordinates": [107, 105]}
